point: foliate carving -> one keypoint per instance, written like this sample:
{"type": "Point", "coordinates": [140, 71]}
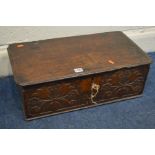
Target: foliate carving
{"type": "Point", "coordinates": [55, 98]}
{"type": "Point", "coordinates": [121, 83]}
{"type": "Point", "coordinates": [75, 93]}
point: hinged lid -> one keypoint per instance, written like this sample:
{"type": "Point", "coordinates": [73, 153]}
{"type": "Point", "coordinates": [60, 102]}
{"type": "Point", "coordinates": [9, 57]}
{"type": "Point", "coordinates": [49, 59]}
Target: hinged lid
{"type": "Point", "coordinates": [57, 59]}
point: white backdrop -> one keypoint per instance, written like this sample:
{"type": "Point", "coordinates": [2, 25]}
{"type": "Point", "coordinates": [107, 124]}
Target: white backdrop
{"type": "Point", "coordinates": [31, 33]}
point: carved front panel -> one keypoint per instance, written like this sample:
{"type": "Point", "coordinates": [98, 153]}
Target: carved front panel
{"type": "Point", "coordinates": [57, 97]}
{"type": "Point", "coordinates": [65, 95]}
{"type": "Point", "coordinates": [120, 84]}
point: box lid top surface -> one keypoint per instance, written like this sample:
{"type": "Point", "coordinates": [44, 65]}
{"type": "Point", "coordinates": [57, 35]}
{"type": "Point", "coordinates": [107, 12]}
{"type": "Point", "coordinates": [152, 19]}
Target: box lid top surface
{"type": "Point", "coordinates": [57, 59]}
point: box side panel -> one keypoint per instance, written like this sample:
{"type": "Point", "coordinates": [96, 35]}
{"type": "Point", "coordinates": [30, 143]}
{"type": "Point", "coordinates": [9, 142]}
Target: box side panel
{"type": "Point", "coordinates": [76, 93]}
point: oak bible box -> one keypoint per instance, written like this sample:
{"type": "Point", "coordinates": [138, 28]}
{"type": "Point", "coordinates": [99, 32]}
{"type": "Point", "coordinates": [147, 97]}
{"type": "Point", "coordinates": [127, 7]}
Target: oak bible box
{"type": "Point", "coordinates": [65, 74]}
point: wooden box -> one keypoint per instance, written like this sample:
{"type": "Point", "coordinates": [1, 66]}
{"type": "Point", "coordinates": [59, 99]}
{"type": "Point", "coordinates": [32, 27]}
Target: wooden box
{"type": "Point", "coordinates": [65, 74]}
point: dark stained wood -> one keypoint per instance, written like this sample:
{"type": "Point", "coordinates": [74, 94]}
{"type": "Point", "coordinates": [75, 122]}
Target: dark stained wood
{"type": "Point", "coordinates": [66, 95]}
{"type": "Point", "coordinates": [115, 68]}
{"type": "Point", "coordinates": [51, 60]}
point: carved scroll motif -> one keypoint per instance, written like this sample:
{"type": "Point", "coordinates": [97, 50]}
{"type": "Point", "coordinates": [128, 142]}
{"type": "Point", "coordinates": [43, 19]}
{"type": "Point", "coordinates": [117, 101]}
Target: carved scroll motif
{"type": "Point", "coordinates": [56, 99]}
{"type": "Point", "coordinates": [114, 85]}
{"type": "Point", "coordinates": [122, 83]}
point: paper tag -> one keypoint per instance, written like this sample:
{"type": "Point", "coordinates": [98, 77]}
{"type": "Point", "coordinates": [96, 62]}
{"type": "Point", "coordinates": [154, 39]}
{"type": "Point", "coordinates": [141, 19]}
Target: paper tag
{"type": "Point", "coordinates": [78, 70]}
